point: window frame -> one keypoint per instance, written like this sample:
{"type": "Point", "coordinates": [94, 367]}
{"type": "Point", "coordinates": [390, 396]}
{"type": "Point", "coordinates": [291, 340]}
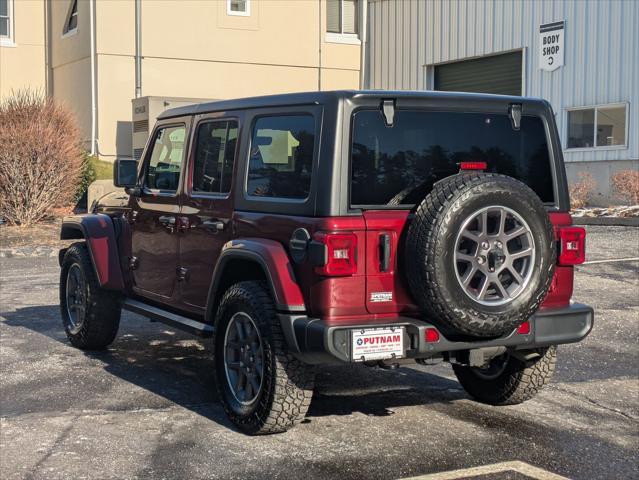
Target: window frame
{"type": "Point", "coordinates": [212, 195]}
{"type": "Point", "coordinates": [66, 31]}
{"type": "Point", "coordinates": [142, 180]}
{"type": "Point", "coordinates": [9, 40]}
{"type": "Point", "coordinates": [596, 108]}
{"type": "Point", "coordinates": [353, 208]}
{"type": "Point", "coordinates": [233, 13]}
{"type": "Point", "coordinates": [341, 36]}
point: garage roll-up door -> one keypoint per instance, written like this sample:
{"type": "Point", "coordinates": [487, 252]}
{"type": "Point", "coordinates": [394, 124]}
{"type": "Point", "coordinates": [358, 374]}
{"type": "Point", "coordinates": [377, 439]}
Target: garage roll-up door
{"type": "Point", "coordinates": [495, 74]}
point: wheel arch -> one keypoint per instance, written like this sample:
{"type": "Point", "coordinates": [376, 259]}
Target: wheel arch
{"type": "Point", "coordinates": [256, 259]}
{"type": "Point", "coordinates": [99, 233]}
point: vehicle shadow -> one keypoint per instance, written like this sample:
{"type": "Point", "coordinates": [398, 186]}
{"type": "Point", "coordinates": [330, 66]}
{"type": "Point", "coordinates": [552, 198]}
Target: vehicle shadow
{"type": "Point", "coordinates": [179, 368]}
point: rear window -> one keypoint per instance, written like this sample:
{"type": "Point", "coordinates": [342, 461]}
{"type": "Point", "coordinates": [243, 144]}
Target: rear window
{"type": "Point", "coordinates": [281, 157]}
{"type": "Point", "coordinates": [398, 165]}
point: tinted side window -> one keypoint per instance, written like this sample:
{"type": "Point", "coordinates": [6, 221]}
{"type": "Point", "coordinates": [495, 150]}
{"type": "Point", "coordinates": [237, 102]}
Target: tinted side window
{"type": "Point", "coordinates": [214, 155]}
{"type": "Point", "coordinates": [400, 164]}
{"type": "Point", "coordinates": [281, 157]}
{"type": "Point", "coordinates": [165, 165]}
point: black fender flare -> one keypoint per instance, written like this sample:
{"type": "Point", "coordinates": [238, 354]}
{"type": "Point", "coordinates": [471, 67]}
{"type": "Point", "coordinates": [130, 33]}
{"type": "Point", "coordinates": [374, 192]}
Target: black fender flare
{"type": "Point", "coordinates": [275, 265]}
{"type": "Point", "coordinates": [99, 232]}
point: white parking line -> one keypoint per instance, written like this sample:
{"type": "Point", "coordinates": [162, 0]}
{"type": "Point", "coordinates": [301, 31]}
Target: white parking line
{"type": "Point", "coordinates": [612, 260]}
{"type": "Point", "coordinates": [515, 466]}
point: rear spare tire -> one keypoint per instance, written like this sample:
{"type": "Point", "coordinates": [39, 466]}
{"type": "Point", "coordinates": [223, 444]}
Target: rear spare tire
{"type": "Point", "coordinates": [480, 254]}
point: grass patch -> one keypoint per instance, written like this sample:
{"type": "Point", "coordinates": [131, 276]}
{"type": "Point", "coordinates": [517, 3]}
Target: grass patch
{"type": "Point", "coordinates": [103, 170]}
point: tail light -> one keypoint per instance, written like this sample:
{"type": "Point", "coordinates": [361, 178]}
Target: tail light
{"type": "Point", "coordinates": [340, 254]}
{"type": "Point", "coordinates": [572, 246]}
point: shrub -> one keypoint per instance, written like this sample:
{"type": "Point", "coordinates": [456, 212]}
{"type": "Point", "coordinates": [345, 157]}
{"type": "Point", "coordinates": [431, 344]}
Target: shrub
{"type": "Point", "coordinates": [87, 177]}
{"type": "Point", "coordinates": [581, 191]}
{"type": "Point", "coordinates": [40, 157]}
{"type": "Point", "coordinates": [626, 184]}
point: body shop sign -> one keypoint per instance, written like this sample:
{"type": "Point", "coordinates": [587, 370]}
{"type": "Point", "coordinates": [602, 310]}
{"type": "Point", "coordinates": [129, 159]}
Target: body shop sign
{"type": "Point", "coordinates": [551, 45]}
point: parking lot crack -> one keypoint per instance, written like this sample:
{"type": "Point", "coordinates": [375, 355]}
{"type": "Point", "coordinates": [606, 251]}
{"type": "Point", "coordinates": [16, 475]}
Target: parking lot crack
{"type": "Point", "coordinates": [598, 404]}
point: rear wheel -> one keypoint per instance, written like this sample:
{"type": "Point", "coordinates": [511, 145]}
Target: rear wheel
{"type": "Point", "coordinates": [508, 380]}
{"type": "Point", "coordinates": [262, 387]}
{"type": "Point", "coordinates": [90, 314]}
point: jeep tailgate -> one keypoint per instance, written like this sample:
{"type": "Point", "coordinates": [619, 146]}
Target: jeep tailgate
{"type": "Point", "coordinates": [386, 290]}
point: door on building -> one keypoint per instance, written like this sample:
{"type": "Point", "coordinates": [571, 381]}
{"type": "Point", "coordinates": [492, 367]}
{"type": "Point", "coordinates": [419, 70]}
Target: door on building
{"type": "Point", "coordinates": [500, 74]}
{"type": "Point", "coordinates": [207, 207]}
{"type": "Point", "coordinates": [154, 215]}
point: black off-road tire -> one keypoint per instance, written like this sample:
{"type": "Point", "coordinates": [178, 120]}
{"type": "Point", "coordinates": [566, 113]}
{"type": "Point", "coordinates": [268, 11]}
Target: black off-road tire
{"type": "Point", "coordinates": [102, 308]}
{"type": "Point", "coordinates": [519, 381]}
{"type": "Point", "coordinates": [430, 245]}
{"type": "Point", "coordinates": [287, 386]}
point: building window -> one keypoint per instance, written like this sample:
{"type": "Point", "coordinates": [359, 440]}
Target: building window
{"type": "Point", "coordinates": [6, 22]}
{"type": "Point", "coordinates": [341, 17]}
{"type": "Point", "coordinates": [238, 7]}
{"type": "Point", "coordinates": [71, 25]}
{"type": "Point", "coordinates": [597, 127]}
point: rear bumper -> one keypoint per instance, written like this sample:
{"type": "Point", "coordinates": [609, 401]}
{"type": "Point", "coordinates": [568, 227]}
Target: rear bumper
{"type": "Point", "coordinates": [315, 342]}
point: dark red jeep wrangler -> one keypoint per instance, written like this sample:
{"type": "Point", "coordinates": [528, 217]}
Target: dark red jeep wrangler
{"type": "Point", "coordinates": [335, 227]}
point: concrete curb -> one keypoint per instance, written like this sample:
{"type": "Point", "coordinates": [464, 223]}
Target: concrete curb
{"type": "Point", "coordinates": [607, 221]}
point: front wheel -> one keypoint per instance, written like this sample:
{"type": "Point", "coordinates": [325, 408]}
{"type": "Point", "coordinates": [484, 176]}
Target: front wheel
{"type": "Point", "coordinates": [90, 314]}
{"type": "Point", "coordinates": [262, 387]}
{"type": "Point", "coordinates": [508, 380]}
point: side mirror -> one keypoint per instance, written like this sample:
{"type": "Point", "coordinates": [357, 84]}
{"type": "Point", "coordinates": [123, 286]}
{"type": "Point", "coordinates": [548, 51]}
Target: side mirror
{"type": "Point", "coordinates": [125, 173]}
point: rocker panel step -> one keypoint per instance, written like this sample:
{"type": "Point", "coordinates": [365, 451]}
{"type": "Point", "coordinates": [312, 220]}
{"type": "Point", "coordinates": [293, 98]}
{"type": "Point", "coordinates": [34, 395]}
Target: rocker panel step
{"type": "Point", "coordinates": [173, 319]}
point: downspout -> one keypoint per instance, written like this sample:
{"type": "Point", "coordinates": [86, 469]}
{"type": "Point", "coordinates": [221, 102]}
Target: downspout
{"type": "Point", "coordinates": [363, 37]}
{"type": "Point", "coordinates": [319, 38]}
{"type": "Point", "coordinates": [94, 109]}
{"type": "Point", "coordinates": [138, 48]}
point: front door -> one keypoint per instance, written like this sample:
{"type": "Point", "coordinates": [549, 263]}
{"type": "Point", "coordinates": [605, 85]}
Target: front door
{"type": "Point", "coordinates": [207, 208]}
{"type": "Point", "coordinates": [154, 216]}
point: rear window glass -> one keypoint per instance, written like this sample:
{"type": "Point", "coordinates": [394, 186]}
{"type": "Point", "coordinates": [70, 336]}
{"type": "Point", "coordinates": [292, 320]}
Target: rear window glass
{"type": "Point", "coordinates": [281, 157]}
{"type": "Point", "coordinates": [398, 165]}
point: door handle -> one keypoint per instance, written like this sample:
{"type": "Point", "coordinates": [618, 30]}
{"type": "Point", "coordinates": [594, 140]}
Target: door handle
{"type": "Point", "coordinates": [213, 225]}
{"type": "Point", "coordinates": [168, 221]}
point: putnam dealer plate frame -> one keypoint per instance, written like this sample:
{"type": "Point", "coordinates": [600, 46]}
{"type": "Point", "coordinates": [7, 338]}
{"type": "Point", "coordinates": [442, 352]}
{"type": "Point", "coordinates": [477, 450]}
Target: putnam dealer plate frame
{"type": "Point", "coordinates": [385, 343]}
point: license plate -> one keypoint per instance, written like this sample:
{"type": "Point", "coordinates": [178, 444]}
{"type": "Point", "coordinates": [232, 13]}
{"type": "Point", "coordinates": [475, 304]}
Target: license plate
{"type": "Point", "coordinates": [377, 344]}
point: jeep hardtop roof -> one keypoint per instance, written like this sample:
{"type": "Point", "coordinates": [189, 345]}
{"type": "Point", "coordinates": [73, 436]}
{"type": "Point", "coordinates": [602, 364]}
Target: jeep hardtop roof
{"type": "Point", "coordinates": [325, 97]}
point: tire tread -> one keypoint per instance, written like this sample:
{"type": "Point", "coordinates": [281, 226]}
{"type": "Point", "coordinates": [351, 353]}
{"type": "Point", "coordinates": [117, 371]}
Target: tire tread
{"type": "Point", "coordinates": [292, 381]}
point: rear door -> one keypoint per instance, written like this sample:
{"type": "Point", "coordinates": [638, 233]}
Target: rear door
{"type": "Point", "coordinates": [154, 214]}
{"type": "Point", "coordinates": [205, 220]}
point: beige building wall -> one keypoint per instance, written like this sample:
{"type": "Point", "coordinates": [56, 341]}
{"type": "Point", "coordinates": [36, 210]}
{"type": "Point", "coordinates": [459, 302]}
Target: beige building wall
{"type": "Point", "coordinates": [190, 48]}
{"type": "Point", "coordinates": [23, 57]}
{"type": "Point", "coordinates": [71, 62]}
{"type": "Point", "coordinates": [194, 49]}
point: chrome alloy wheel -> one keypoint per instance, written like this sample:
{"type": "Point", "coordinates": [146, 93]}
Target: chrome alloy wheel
{"type": "Point", "coordinates": [494, 255]}
{"type": "Point", "coordinates": [76, 298]}
{"type": "Point", "coordinates": [243, 358]}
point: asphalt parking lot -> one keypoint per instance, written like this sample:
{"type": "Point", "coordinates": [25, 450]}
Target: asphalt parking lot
{"type": "Point", "coordinates": [146, 408]}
